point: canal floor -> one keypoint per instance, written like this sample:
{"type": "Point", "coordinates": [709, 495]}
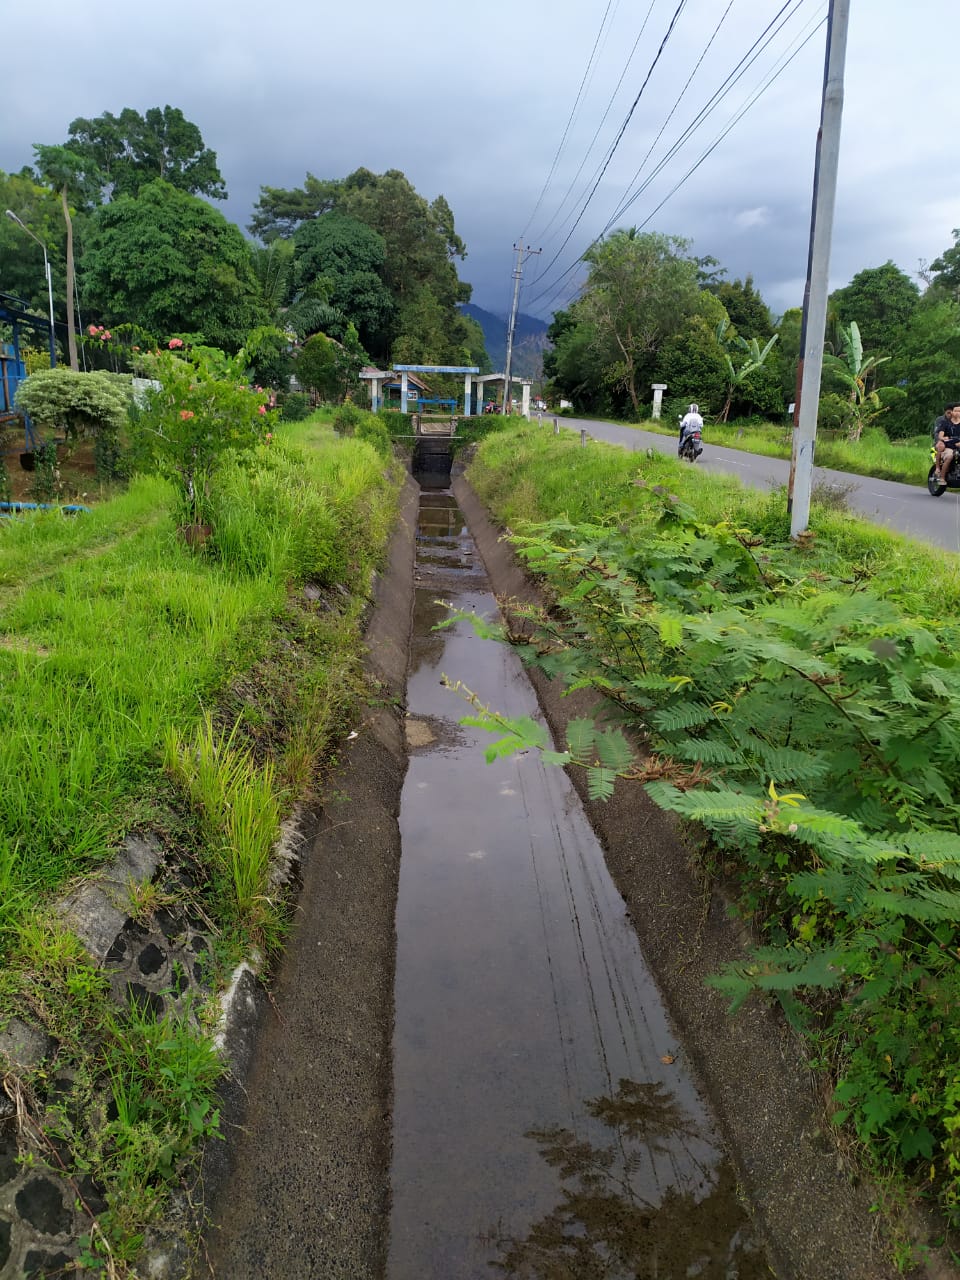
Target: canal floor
{"type": "Point", "coordinates": [543, 1122]}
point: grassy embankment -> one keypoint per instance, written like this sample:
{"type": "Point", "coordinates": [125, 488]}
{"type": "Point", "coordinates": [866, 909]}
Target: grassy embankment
{"type": "Point", "coordinates": [800, 704]}
{"type": "Point", "coordinates": [189, 692]}
{"type": "Point", "coordinates": [907, 461]}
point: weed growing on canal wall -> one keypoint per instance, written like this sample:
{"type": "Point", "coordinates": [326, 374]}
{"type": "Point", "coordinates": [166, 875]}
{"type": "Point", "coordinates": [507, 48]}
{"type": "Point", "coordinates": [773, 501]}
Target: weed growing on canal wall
{"type": "Point", "coordinates": [805, 712]}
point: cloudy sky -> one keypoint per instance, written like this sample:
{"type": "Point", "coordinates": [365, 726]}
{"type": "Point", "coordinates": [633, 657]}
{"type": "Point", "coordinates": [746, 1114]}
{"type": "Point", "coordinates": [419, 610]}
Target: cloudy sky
{"type": "Point", "coordinates": [516, 110]}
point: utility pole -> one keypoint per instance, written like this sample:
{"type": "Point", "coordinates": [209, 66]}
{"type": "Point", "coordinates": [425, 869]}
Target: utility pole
{"type": "Point", "coordinates": [522, 255]}
{"type": "Point", "coordinates": [814, 322]}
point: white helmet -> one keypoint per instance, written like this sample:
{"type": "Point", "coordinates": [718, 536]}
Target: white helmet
{"type": "Point", "coordinates": [694, 408]}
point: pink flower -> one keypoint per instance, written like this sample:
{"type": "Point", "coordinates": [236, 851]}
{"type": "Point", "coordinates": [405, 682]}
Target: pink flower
{"type": "Point", "coordinates": [105, 336]}
{"type": "Point", "coordinates": [174, 343]}
{"type": "Point", "coordinates": [91, 329]}
{"type": "Point", "coordinates": [186, 414]}
{"type": "Point", "coordinates": [269, 436]}
{"type": "Point", "coordinates": [261, 408]}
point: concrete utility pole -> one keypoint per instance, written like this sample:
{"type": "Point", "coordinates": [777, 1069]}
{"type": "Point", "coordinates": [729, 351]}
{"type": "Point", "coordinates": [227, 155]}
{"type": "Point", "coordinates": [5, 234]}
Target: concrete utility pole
{"type": "Point", "coordinates": [517, 273]}
{"type": "Point", "coordinates": [814, 323]}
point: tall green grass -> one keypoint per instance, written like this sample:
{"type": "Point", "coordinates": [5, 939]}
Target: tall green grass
{"type": "Point", "coordinates": [530, 475]}
{"type": "Point", "coordinates": [112, 631]}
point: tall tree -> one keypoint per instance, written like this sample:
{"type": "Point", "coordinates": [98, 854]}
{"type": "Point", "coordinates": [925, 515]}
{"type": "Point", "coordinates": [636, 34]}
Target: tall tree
{"type": "Point", "coordinates": [881, 300]}
{"type": "Point", "coordinates": [174, 264]}
{"type": "Point", "coordinates": [21, 259]}
{"type": "Point", "coordinates": [71, 175]}
{"type": "Point", "coordinates": [130, 150]}
{"type": "Point", "coordinates": [747, 310]}
{"type": "Point", "coordinates": [640, 288]}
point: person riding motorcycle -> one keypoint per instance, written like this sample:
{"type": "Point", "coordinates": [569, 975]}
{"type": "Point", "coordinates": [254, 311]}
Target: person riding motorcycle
{"type": "Point", "coordinates": [946, 439]}
{"type": "Point", "coordinates": [691, 421]}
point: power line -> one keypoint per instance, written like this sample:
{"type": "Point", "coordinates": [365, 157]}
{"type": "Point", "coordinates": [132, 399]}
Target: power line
{"type": "Point", "coordinates": [570, 118]}
{"type": "Point", "coordinates": [763, 40]}
{"type": "Point", "coordinates": [735, 76]}
{"type": "Point", "coordinates": [616, 142]}
{"type": "Point", "coordinates": [603, 120]}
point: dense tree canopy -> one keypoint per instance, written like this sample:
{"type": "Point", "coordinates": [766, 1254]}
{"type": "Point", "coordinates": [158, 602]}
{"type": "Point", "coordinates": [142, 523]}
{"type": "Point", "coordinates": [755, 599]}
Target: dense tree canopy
{"type": "Point", "coordinates": [174, 264]}
{"type": "Point", "coordinates": [130, 150]}
{"type": "Point", "coordinates": [880, 300]}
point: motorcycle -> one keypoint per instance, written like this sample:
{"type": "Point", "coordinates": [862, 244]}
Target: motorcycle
{"type": "Point", "coordinates": [937, 488]}
{"type": "Point", "coordinates": [691, 446]}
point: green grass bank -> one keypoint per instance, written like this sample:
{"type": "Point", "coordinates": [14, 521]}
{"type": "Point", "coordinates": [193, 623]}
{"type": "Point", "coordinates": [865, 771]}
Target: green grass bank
{"type": "Point", "coordinates": [187, 684]}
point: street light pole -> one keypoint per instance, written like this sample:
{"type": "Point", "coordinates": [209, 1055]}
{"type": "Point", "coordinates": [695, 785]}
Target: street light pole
{"type": "Point", "coordinates": [46, 271]}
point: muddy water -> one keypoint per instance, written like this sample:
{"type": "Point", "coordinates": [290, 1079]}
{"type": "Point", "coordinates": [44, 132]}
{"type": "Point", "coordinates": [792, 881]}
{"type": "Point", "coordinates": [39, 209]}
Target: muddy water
{"type": "Point", "coordinates": [544, 1122]}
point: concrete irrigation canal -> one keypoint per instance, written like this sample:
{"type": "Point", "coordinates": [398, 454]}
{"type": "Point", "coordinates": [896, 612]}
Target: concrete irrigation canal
{"type": "Point", "coordinates": [527, 1026]}
{"type": "Point", "coordinates": [467, 1069]}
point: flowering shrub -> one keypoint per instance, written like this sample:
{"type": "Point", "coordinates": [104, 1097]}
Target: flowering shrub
{"type": "Point", "coordinates": [200, 409]}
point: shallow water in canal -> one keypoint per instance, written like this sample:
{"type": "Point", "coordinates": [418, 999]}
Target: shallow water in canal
{"type": "Point", "coordinates": [544, 1123]}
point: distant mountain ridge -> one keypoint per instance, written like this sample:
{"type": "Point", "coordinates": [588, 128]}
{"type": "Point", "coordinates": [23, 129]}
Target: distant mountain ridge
{"type": "Point", "coordinates": [529, 340]}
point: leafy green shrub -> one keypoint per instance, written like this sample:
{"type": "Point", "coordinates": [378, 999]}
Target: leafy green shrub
{"type": "Point", "coordinates": [79, 403]}
{"type": "Point", "coordinates": [375, 432]}
{"type": "Point", "coordinates": [346, 417]}
{"type": "Point", "coordinates": [200, 409]}
{"type": "Point", "coordinates": [295, 407]}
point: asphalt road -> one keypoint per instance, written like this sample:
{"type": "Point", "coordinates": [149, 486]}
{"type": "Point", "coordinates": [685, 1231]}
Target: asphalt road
{"type": "Point", "coordinates": [906, 508]}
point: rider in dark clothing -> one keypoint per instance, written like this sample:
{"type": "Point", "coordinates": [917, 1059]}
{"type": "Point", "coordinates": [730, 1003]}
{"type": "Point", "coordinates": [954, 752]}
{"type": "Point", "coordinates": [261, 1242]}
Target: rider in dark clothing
{"type": "Point", "coordinates": [946, 438]}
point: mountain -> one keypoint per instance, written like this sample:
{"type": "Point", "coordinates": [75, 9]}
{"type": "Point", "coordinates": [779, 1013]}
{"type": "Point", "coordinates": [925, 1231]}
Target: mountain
{"type": "Point", "coordinates": [529, 340]}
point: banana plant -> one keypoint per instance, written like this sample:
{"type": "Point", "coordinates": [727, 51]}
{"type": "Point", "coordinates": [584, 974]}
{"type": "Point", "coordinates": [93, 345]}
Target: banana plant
{"type": "Point", "coordinates": [754, 360]}
{"type": "Point", "coordinates": [855, 370]}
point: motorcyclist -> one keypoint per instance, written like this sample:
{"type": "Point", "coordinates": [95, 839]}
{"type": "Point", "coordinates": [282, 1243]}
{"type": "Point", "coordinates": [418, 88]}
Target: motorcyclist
{"type": "Point", "coordinates": [691, 421]}
{"type": "Point", "coordinates": [946, 437]}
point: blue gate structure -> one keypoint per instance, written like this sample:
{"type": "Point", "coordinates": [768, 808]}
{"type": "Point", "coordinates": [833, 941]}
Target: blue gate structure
{"type": "Point", "coordinates": [14, 312]}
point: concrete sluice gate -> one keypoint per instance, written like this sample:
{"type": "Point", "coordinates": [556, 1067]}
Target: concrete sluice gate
{"type": "Point", "coordinates": [543, 1125]}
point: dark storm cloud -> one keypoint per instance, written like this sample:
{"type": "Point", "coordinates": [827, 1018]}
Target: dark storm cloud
{"type": "Point", "coordinates": [472, 104]}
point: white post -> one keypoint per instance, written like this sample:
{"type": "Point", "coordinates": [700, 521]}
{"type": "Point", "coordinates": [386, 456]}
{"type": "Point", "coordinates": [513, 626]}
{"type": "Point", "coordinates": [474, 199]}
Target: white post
{"type": "Point", "coordinates": [815, 302]}
{"type": "Point", "coordinates": [525, 400]}
{"type": "Point", "coordinates": [403, 393]}
{"type": "Point", "coordinates": [658, 389]}
{"type": "Point", "coordinates": [467, 396]}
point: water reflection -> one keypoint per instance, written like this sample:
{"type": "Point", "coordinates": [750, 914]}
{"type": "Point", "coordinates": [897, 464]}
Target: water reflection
{"type": "Point", "coordinates": [602, 1229]}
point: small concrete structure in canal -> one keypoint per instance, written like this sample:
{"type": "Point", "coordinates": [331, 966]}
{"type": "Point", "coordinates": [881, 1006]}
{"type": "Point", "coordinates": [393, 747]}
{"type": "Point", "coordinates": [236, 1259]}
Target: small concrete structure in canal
{"type": "Point", "coordinates": [380, 379]}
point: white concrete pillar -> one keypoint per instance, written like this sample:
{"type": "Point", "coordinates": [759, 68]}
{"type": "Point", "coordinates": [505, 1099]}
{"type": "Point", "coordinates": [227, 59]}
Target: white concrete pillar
{"type": "Point", "coordinates": [375, 400]}
{"type": "Point", "coordinates": [403, 393]}
{"type": "Point", "coordinates": [525, 401]}
{"type": "Point", "coordinates": [658, 389]}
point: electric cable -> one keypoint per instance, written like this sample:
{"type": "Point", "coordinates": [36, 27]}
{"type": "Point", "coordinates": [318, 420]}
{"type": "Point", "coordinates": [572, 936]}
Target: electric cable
{"type": "Point", "coordinates": [616, 142]}
{"type": "Point", "coordinates": [542, 238]}
{"type": "Point", "coordinates": [763, 40]}
{"type": "Point", "coordinates": [570, 118]}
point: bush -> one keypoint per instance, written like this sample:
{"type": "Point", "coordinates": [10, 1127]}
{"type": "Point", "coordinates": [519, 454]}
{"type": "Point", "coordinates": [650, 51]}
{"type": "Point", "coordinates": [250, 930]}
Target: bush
{"type": "Point", "coordinates": [374, 432]}
{"type": "Point", "coordinates": [346, 418]}
{"type": "Point", "coordinates": [79, 403]}
{"type": "Point", "coordinates": [295, 407]}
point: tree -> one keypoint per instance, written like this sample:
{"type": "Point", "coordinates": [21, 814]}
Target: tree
{"type": "Point", "coordinates": [749, 362]}
{"type": "Point", "coordinates": [881, 300]}
{"type": "Point", "coordinates": [75, 175]}
{"type": "Point", "coordinates": [640, 289]}
{"type": "Point", "coordinates": [21, 259]}
{"type": "Point", "coordinates": [944, 272]}
{"type": "Point", "coordinates": [131, 150]}
{"type": "Point", "coordinates": [173, 264]}
{"type": "Point", "coordinates": [331, 367]}
{"type": "Point", "coordinates": [747, 310]}
{"type": "Point", "coordinates": [279, 212]}
{"type": "Point", "coordinates": [856, 370]}
{"type": "Point", "coordinates": [925, 365]}
{"type": "Point", "coordinates": [342, 259]}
